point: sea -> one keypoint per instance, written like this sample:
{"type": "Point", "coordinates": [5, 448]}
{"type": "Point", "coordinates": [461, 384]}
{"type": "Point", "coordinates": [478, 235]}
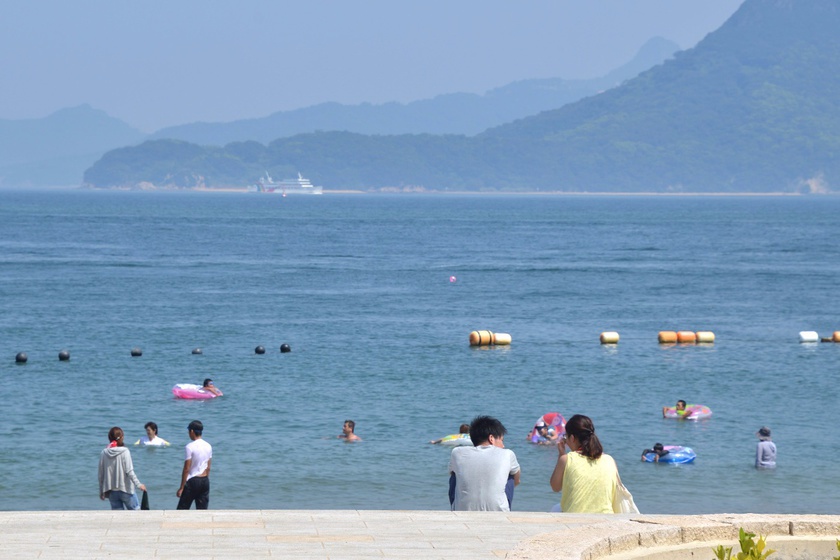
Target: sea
{"type": "Point", "coordinates": [376, 296]}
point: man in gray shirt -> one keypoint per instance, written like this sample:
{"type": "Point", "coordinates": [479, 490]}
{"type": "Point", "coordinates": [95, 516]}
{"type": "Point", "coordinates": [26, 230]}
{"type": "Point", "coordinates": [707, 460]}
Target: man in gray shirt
{"type": "Point", "coordinates": [482, 477]}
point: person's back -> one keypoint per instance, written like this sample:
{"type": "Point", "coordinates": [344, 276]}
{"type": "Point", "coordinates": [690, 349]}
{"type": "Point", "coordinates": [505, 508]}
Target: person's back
{"type": "Point", "coordinates": [117, 480]}
{"type": "Point", "coordinates": [481, 474]}
{"type": "Point", "coordinates": [765, 451]}
{"type": "Point", "coordinates": [765, 455]}
{"type": "Point", "coordinates": [195, 481]}
{"type": "Point", "coordinates": [586, 475]}
{"type": "Point", "coordinates": [589, 484]}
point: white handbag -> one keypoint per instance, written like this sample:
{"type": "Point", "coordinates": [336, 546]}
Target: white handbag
{"type": "Point", "coordinates": [623, 499]}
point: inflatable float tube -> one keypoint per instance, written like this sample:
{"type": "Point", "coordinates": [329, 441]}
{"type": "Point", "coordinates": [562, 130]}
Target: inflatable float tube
{"type": "Point", "coordinates": [553, 420]}
{"type": "Point", "coordinates": [190, 391]}
{"type": "Point", "coordinates": [456, 440]}
{"type": "Point", "coordinates": [677, 454]}
{"type": "Point", "coordinates": [693, 412]}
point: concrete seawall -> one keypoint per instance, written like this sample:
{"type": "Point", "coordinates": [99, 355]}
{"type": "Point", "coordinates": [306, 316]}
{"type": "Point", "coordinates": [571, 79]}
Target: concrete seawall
{"type": "Point", "coordinates": [328, 534]}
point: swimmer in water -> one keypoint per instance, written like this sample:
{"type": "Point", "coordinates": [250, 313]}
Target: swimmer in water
{"type": "Point", "coordinates": [210, 388]}
{"type": "Point", "coordinates": [151, 438]}
{"type": "Point", "coordinates": [680, 410]}
{"type": "Point", "coordinates": [464, 429]}
{"type": "Point", "coordinates": [347, 432]}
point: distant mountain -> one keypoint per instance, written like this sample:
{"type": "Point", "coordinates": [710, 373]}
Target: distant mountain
{"type": "Point", "coordinates": [55, 150]}
{"type": "Point", "coordinates": [455, 113]}
{"type": "Point", "coordinates": [753, 107]}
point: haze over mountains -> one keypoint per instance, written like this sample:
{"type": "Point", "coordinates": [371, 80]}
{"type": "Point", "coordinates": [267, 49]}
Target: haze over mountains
{"type": "Point", "coordinates": [55, 150]}
{"type": "Point", "coordinates": [752, 108]}
{"type": "Point", "coordinates": [456, 113]}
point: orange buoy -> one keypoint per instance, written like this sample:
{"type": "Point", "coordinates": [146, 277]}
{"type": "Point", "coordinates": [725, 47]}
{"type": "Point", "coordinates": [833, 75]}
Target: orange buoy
{"type": "Point", "coordinates": [686, 337]}
{"type": "Point", "coordinates": [609, 337]}
{"type": "Point", "coordinates": [487, 338]}
{"type": "Point", "coordinates": [667, 337]}
{"type": "Point", "coordinates": [705, 337]}
{"type": "Point", "coordinates": [836, 336]}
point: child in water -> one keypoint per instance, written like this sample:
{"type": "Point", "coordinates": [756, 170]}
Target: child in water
{"type": "Point", "coordinates": [658, 450]}
{"type": "Point", "coordinates": [679, 409]}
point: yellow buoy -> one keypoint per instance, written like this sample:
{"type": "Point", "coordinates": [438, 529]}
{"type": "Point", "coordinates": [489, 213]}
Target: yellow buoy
{"type": "Point", "coordinates": [836, 336]}
{"type": "Point", "coordinates": [667, 337]}
{"type": "Point", "coordinates": [705, 337]}
{"type": "Point", "coordinates": [609, 337]}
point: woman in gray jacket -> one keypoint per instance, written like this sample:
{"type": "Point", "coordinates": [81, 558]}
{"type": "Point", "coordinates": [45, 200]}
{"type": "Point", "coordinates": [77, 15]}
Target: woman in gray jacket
{"type": "Point", "coordinates": [117, 480]}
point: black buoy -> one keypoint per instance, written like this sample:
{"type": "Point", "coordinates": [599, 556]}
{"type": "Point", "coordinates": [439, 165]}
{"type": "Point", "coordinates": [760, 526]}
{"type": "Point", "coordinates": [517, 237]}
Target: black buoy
{"type": "Point", "coordinates": [259, 350]}
{"type": "Point", "coordinates": [64, 355]}
{"type": "Point", "coordinates": [197, 351]}
{"type": "Point", "coordinates": [21, 357]}
{"type": "Point", "coordinates": [136, 352]}
{"type": "Point", "coordinates": [285, 348]}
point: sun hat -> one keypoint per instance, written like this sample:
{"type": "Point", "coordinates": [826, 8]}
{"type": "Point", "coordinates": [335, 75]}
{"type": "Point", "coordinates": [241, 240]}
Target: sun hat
{"type": "Point", "coordinates": [763, 433]}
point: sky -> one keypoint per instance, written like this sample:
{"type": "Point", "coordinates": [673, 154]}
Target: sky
{"type": "Point", "coordinates": [157, 63]}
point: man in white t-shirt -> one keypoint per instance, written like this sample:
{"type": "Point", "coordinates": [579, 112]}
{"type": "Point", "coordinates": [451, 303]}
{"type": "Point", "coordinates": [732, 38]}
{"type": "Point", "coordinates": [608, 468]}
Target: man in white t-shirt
{"type": "Point", "coordinates": [195, 478]}
{"type": "Point", "coordinates": [482, 477]}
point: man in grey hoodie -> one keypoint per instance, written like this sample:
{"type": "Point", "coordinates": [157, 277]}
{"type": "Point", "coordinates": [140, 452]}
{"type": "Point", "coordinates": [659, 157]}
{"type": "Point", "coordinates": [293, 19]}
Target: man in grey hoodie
{"type": "Point", "coordinates": [117, 480]}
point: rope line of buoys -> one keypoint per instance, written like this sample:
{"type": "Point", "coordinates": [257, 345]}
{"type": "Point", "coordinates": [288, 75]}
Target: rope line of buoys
{"type": "Point", "coordinates": [813, 336]}
{"type": "Point", "coordinates": [489, 338]}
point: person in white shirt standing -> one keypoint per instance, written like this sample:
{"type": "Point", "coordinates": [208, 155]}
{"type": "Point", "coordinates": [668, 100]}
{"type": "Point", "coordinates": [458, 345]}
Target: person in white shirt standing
{"type": "Point", "coordinates": [482, 477]}
{"type": "Point", "coordinates": [195, 478]}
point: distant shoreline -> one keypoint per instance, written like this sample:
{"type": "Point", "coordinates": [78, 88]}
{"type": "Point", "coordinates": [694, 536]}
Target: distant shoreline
{"type": "Point", "coordinates": [531, 193]}
{"type": "Point", "coordinates": [328, 192]}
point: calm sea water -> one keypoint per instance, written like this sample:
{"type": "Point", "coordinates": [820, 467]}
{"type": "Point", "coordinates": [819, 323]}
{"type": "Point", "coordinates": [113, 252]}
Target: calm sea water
{"type": "Point", "coordinates": [359, 287]}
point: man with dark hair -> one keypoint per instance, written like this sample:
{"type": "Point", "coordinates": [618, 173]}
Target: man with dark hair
{"type": "Point", "coordinates": [482, 477]}
{"type": "Point", "coordinates": [210, 388]}
{"type": "Point", "coordinates": [195, 481]}
{"type": "Point", "coordinates": [348, 432]}
{"type": "Point", "coordinates": [680, 410]}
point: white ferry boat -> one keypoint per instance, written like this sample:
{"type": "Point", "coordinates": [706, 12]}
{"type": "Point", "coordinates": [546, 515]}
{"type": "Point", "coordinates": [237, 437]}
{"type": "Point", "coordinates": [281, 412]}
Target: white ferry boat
{"type": "Point", "coordinates": [300, 185]}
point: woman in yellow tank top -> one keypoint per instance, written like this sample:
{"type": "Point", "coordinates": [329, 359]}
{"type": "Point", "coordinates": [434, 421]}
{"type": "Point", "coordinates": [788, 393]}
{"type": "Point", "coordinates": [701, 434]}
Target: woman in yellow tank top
{"type": "Point", "coordinates": [587, 476]}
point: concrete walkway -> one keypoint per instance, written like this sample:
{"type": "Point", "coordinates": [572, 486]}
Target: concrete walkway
{"type": "Point", "coordinates": [325, 534]}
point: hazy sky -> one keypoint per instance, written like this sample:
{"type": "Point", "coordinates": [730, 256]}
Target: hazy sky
{"type": "Point", "coordinates": [155, 63]}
